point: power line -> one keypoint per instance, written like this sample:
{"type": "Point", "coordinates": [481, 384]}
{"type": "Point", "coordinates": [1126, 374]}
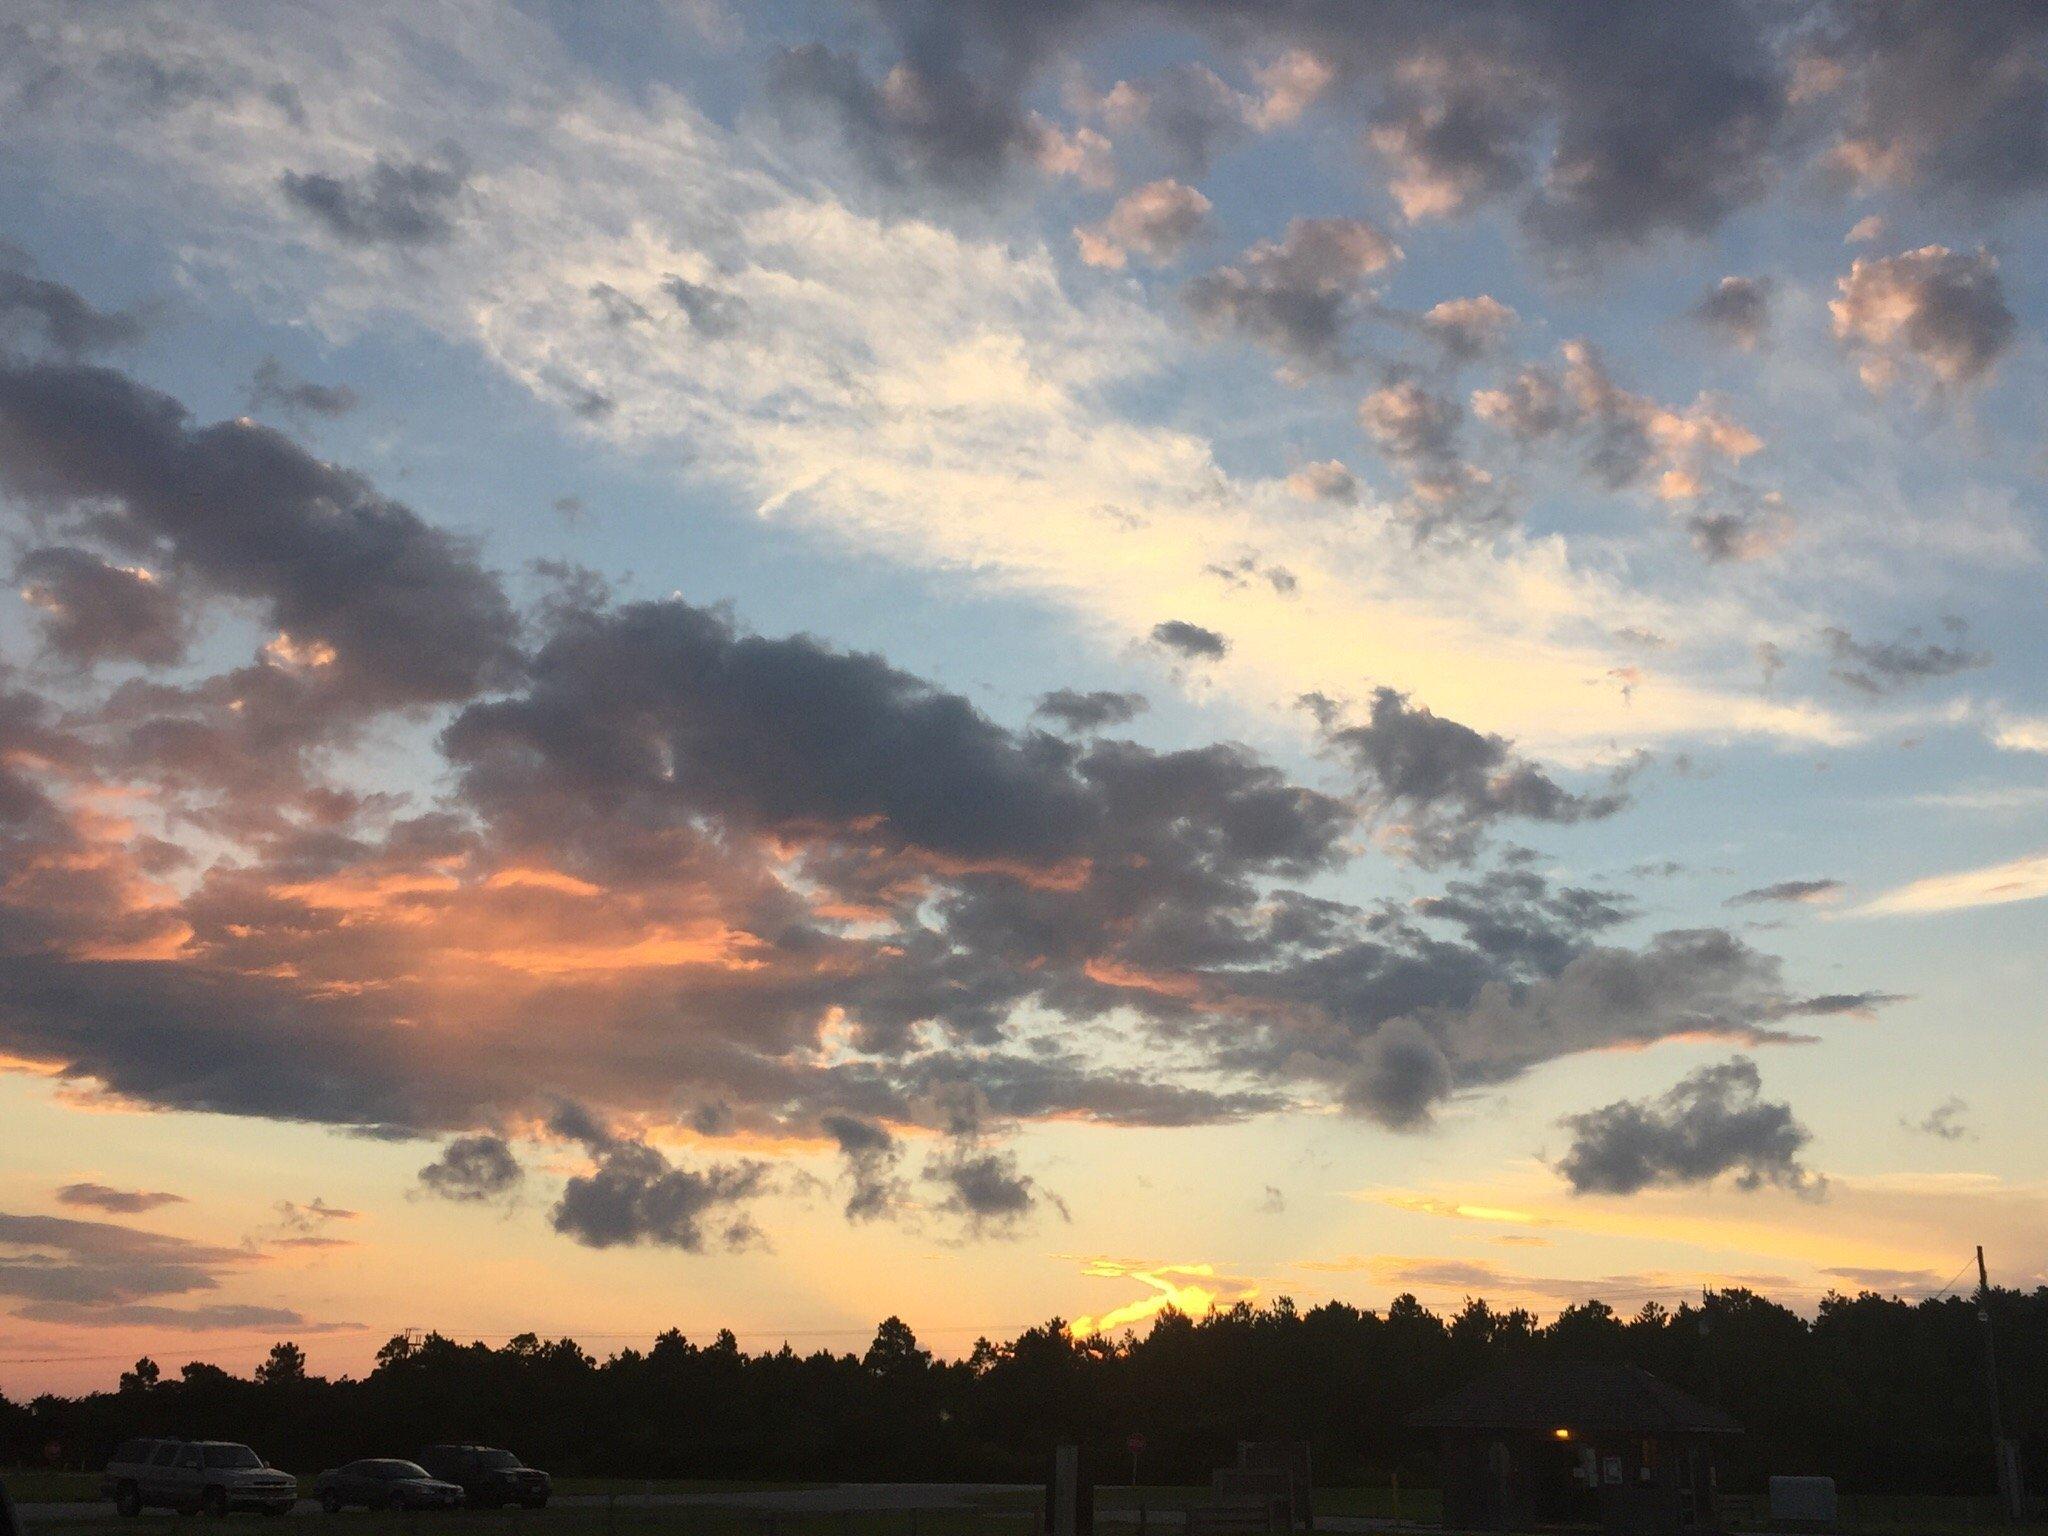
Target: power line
{"type": "Point", "coordinates": [1952, 1279]}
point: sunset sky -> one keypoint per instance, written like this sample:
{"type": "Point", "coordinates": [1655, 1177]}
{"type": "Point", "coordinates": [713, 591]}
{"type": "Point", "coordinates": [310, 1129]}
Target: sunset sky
{"type": "Point", "coordinates": [698, 664]}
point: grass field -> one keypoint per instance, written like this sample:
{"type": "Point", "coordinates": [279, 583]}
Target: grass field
{"type": "Point", "coordinates": [598, 1520]}
{"type": "Point", "coordinates": [36, 1486]}
{"type": "Point", "coordinates": [1369, 1503]}
{"type": "Point", "coordinates": [995, 1512]}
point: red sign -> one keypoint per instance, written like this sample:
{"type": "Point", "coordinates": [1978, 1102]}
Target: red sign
{"type": "Point", "coordinates": [1136, 1444]}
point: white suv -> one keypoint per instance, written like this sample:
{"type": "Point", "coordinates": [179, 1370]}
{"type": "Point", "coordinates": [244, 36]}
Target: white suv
{"type": "Point", "coordinates": [191, 1475]}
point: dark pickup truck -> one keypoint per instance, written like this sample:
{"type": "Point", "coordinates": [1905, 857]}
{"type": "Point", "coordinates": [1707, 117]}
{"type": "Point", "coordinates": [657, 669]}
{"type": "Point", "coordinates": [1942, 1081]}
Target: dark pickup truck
{"type": "Point", "coordinates": [192, 1475]}
{"type": "Point", "coordinates": [488, 1477]}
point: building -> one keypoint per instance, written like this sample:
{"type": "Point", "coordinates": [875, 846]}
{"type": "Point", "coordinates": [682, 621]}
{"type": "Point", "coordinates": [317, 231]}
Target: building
{"type": "Point", "coordinates": [1578, 1442]}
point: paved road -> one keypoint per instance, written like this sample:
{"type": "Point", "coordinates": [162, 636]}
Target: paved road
{"type": "Point", "coordinates": [829, 1499]}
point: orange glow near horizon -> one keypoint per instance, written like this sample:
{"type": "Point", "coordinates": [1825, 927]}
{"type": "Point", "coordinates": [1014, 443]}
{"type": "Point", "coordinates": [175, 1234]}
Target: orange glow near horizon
{"type": "Point", "coordinates": [1191, 1289]}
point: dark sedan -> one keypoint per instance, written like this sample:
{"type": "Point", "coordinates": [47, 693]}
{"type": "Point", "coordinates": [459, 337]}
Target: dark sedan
{"type": "Point", "coordinates": [384, 1484]}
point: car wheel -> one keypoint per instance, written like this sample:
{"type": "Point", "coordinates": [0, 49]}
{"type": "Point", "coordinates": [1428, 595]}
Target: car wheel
{"type": "Point", "coordinates": [128, 1501]}
{"type": "Point", "coordinates": [538, 1501]}
{"type": "Point", "coordinates": [214, 1501]}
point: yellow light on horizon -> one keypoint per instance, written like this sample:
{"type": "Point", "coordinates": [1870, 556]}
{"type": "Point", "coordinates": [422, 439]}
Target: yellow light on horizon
{"type": "Point", "coordinates": [1562, 1434]}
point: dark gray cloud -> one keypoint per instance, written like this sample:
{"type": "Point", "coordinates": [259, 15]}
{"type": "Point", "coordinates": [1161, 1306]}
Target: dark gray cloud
{"type": "Point", "coordinates": [635, 1195]}
{"type": "Point", "coordinates": [1392, 1015]}
{"type": "Point", "coordinates": [91, 610]}
{"type": "Point", "coordinates": [312, 1215]}
{"type": "Point", "coordinates": [924, 118]}
{"type": "Point", "coordinates": [1296, 296]}
{"type": "Point", "coordinates": [1936, 309]}
{"type": "Point", "coordinates": [1418, 429]}
{"type": "Point", "coordinates": [1247, 570]}
{"type": "Point", "coordinates": [712, 312]}
{"type": "Point", "coordinates": [1737, 310]}
{"type": "Point", "coordinates": [585, 401]}
{"type": "Point", "coordinates": [273, 388]}
{"type": "Point", "coordinates": [208, 1317]}
{"type": "Point", "coordinates": [1714, 1121]}
{"type": "Point", "coordinates": [1190, 640]}
{"type": "Point", "coordinates": [398, 610]}
{"type": "Point", "coordinates": [985, 1188]}
{"type": "Point", "coordinates": [1529, 406]}
{"type": "Point", "coordinates": [473, 1168]}
{"type": "Point", "coordinates": [1770, 660]}
{"type": "Point", "coordinates": [120, 1202]}
{"type": "Point", "coordinates": [1600, 125]}
{"type": "Point", "coordinates": [1401, 1076]}
{"type": "Point", "coordinates": [1607, 126]}
{"type": "Point", "coordinates": [1449, 782]}
{"type": "Point", "coordinates": [35, 311]}
{"type": "Point", "coordinates": [618, 310]}
{"type": "Point", "coordinates": [1190, 111]}
{"type": "Point", "coordinates": [1725, 536]}
{"type": "Point", "coordinates": [1082, 712]}
{"type": "Point", "coordinates": [1788, 891]}
{"type": "Point", "coordinates": [1325, 480]}
{"type": "Point", "coordinates": [773, 733]}
{"type": "Point", "coordinates": [395, 202]}
{"type": "Point", "coordinates": [1453, 134]}
{"type": "Point", "coordinates": [58, 1260]}
{"type": "Point", "coordinates": [1625, 440]}
{"type": "Point", "coordinates": [650, 749]}
{"type": "Point", "coordinates": [1519, 919]}
{"type": "Point", "coordinates": [1944, 1121]}
{"type": "Point", "coordinates": [1878, 667]}
{"type": "Point", "coordinates": [716, 854]}
{"type": "Point", "coordinates": [1862, 1005]}
{"type": "Point", "coordinates": [1146, 912]}
{"type": "Point", "coordinates": [1668, 120]}
{"type": "Point", "coordinates": [1413, 424]}
{"type": "Point", "coordinates": [871, 1156]}
{"type": "Point", "coordinates": [1941, 96]}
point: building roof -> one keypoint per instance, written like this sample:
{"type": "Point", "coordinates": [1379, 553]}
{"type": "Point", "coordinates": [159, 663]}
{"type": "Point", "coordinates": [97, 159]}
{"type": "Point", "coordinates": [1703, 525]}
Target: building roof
{"type": "Point", "coordinates": [1550, 1395]}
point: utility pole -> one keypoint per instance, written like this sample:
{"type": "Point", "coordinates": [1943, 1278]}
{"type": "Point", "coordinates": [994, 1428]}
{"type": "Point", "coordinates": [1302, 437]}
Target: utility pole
{"type": "Point", "coordinates": [2004, 1463]}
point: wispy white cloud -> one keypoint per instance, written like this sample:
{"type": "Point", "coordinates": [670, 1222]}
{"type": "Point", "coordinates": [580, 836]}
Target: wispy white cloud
{"type": "Point", "coordinates": [2021, 879]}
{"type": "Point", "coordinates": [2020, 733]}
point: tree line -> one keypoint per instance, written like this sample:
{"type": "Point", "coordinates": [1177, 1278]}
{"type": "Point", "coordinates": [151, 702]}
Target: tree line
{"type": "Point", "coordinates": [1885, 1395]}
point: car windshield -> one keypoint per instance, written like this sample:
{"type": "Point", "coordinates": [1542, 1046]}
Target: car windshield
{"type": "Point", "coordinates": [232, 1457]}
{"type": "Point", "coordinates": [493, 1461]}
{"type": "Point", "coordinates": [396, 1471]}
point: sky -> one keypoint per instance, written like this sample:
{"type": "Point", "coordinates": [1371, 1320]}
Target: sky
{"type": "Point", "coordinates": [684, 664]}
